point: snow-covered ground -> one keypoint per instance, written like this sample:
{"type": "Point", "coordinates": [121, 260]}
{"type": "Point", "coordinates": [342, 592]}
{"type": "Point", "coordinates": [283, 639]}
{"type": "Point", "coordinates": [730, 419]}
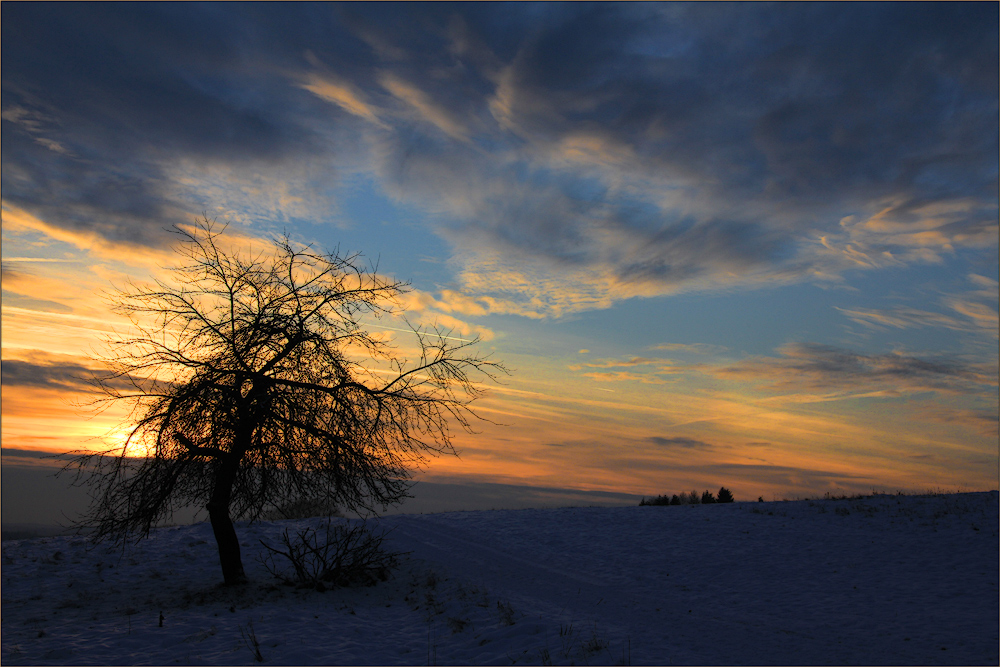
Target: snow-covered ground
{"type": "Point", "coordinates": [880, 580]}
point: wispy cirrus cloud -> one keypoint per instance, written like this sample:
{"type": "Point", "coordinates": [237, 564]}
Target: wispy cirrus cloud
{"type": "Point", "coordinates": [900, 318]}
{"type": "Point", "coordinates": [344, 95]}
{"type": "Point", "coordinates": [803, 374]}
{"type": "Point", "coordinates": [648, 370]}
{"type": "Point", "coordinates": [425, 106]}
{"type": "Point", "coordinates": [693, 348]}
{"type": "Point", "coordinates": [911, 231]}
{"type": "Point", "coordinates": [982, 316]}
{"type": "Point", "coordinates": [976, 310]}
{"type": "Point", "coordinates": [624, 363]}
{"type": "Point", "coordinates": [988, 286]}
{"type": "Point", "coordinates": [625, 376]}
{"type": "Point", "coordinates": [804, 367]}
{"type": "Point", "coordinates": [976, 317]}
{"type": "Point", "coordinates": [812, 372]}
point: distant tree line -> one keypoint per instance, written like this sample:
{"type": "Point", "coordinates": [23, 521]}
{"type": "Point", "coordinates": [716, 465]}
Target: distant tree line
{"type": "Point", "coordinates": [692, 498]}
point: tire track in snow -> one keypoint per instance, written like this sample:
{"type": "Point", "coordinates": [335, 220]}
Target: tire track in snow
{"type": "Point", "coordinates": [581, 599]}
{"type": "Point", "coordinates": [499, 569]}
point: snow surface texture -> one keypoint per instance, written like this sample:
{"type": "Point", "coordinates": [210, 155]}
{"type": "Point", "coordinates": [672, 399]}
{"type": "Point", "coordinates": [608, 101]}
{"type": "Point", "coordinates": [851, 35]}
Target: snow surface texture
{"type": "Point", "coordinates": [879, 580]}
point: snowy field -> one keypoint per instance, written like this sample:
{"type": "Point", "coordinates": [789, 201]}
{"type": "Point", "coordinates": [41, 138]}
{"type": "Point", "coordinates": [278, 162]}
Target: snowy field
{"type": "Point", "coordinates": [880, 580]}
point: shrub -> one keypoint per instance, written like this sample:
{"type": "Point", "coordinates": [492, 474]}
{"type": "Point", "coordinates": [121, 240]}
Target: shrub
{"type": "Point", "coordinates": [725, 495]}
{"type": "Point", "coordinates": [343, 555]}
{"type": "Point", "coordinates": [506, 612]}
{"type": "Point", "coordinates": [707, 498]}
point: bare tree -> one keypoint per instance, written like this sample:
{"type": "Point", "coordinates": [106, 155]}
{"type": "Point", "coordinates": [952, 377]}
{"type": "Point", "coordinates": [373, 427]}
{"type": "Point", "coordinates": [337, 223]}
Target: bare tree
{"type": "Point", "coordinates": [253, 383]}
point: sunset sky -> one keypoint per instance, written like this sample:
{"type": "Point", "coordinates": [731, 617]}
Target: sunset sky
{"type": "Point", "coordinates": [717, 244]}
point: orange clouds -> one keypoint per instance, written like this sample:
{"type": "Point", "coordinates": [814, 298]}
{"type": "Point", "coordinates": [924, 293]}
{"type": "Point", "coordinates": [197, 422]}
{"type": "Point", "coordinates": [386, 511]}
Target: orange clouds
{"type": "Point", "coordinates": [17, 220]}
{"type": "Point", "coordinates": [427, 109]}
{"type": "Point", "coordinates": [903, 232]}
{"type": "Point", "coordinates": [342, 94]}
{"type": "Point", "coordinates": [425, 309]}
{"type": "Point", "coordinates": [48, 405]}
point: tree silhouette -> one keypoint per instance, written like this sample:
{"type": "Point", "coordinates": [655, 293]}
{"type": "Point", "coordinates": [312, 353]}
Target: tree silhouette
{"type": "Point", "coordinates": [253, 383]}
{"type": "Point", "coordinates": [725, 495]}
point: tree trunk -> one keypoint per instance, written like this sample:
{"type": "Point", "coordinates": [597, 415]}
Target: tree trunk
{"type": "Point", "coordinates": [222, 525]}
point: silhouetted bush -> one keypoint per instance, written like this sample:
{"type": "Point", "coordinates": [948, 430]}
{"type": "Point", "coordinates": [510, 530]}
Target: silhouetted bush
{"type": "Point", "coordinates": [707, 498]}
{"type": "Point", "coordinates": [725, 496]}
{"type": "Point", "coordinates": [339, 554]}
{"type": "Point", "coordinates": [675, 499]}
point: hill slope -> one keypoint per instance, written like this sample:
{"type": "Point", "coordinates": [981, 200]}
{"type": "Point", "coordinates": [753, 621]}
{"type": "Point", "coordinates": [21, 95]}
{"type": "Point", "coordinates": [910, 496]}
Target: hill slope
{"type": "Point", "coordinates": [881, 580]}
